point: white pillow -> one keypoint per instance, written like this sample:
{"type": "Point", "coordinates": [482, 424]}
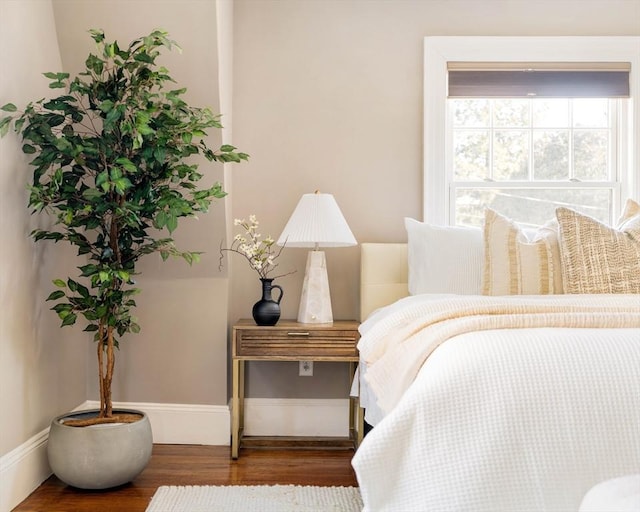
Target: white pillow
{"type": "Point", "coordinates": [444, 259]}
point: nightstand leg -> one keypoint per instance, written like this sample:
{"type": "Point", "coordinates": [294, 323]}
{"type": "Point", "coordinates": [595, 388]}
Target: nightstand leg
{"type": "Point", "coordinates": [360, 422]}
{"type": "Point", "coordinates": [356, 413]}
{"type": "Point", "coordinates": [352, 371]}
{"type": "Point", "coordinates": [235, 405]}
{"type": "Point", "coordinates": [241, 388]}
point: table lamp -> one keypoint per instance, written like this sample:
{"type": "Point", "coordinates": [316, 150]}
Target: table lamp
{"type": "Point", "coordinates": [316, 222]}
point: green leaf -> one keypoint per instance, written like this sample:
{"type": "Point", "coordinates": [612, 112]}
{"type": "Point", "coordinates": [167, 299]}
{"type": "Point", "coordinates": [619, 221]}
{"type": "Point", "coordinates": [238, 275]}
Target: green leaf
{"type": "Point", "coordinates": [92, 194]}
{"type": "Point", "coordinates": [59, 283]}
{"type": "Point", "coordinates": [144, 129]}
{"type": "Point", "coordinates": [122, 185]}
{"type": "Point", "coordinates": [28, 149]}
{"type": "Point", "coordinates": [102, 178]}
{"type": "Point", "coordinates": [172, 222]}
{"type": "Point", "coordinates": [143, 57]}
{"type": "Point", "coordinates": [52, 76]}
{"type": "Point", "coordinates": [106, 106]}
{"type": "Point", "coordinates": [95, 64]}
{"type": "Point", "coordinates": [9, 107]}
{"type": "Point", "coordinates": [97, 35]}
{"type": "Point", "coordinates": [56, 85]}
{"type": "Point", "coordinates": [4, 126]}
{"type": "Point", "coordinates": [90, 328]}
{"type": "Point", "coordinates": [18, 124]}
{"type": "Point", "coordinates": [226, 148]}
{"type": "Point", "coordinates": [116, 173]}
{"type": "Point", "coordinates": [87, 270]}
{"type": "Point", "coordinates": [127, 164]}
{"type": "Point", "coordinates": [83, 291]}
{"type": "Point", "coordinates": [161, 219]}
{"type": "Point", "coordinates": [56, 295]}
{"type": "Point", "coordinates": [123, 275]}
{"type": "Point", "coordinates": [69, 319]}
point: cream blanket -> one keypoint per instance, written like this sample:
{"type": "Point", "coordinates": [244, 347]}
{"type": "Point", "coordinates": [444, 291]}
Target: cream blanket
{"type": "Point", "coordinates": [396, 347]}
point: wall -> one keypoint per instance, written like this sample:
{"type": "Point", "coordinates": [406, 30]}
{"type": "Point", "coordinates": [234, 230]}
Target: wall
{"type": "Point", "coordinates": [180, 354]}
{"type": "Point", "coordinates": [42, 367]}
{"type": "Point", "coordinates": [328, 96]}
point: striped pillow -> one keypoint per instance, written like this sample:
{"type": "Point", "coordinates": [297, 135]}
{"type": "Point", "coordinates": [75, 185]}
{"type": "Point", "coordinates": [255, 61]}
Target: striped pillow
{"type": "Point", "coordinates": [516, 264]}
{"type": "Point", "coordinates": [597, 258]}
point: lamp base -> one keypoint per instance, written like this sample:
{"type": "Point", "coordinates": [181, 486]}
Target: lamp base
{"type": "Point", "coordinates": [315, 303]}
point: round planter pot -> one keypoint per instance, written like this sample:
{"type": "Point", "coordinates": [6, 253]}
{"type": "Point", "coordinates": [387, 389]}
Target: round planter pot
{"type": "Point", "coordinates": [99, 456]}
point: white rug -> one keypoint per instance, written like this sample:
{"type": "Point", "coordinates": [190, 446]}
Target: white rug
{"type": "Point", "coordinates": [256, 498]}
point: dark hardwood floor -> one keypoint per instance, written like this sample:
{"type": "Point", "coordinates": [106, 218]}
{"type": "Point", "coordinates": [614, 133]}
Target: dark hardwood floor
{"type": "Point", "coordinates": [199, 465]}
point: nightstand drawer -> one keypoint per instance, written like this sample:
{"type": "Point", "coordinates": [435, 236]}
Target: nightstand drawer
{"type": "Point", "coordinates": [290, 340]}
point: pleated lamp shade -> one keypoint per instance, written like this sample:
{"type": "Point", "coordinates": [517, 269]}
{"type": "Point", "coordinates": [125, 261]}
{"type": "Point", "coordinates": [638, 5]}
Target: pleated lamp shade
{"type": "Point", "coordinates": [317, 222]}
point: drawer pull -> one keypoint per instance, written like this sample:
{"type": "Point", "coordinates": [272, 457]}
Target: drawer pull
{"type": "Point", "coordinates": [298, 334]}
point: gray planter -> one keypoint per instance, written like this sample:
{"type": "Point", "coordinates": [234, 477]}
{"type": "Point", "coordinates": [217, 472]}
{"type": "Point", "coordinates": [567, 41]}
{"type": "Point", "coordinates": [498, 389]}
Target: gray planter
{"type": "Point", "coordinates": [100, 456]}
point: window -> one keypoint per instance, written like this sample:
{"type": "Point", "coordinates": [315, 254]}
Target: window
{"type": "Point", "coordinates": [524, 154]}
{"type": "Point", "coordinates": [525, 157]}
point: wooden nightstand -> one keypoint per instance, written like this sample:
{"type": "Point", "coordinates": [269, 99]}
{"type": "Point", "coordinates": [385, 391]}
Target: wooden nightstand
{"type": "Point", "coordinates": [292, 341]}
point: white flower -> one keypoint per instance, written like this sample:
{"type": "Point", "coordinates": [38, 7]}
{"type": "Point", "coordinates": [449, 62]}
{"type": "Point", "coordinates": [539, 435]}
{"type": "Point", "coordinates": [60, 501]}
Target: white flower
{"type": "Point", "coordinates": [249, 244]}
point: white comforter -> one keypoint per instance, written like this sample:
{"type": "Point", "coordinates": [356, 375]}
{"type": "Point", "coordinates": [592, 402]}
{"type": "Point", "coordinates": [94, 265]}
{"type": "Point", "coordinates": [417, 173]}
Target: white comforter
{"type": "Point", "coordinates": [507, 420]}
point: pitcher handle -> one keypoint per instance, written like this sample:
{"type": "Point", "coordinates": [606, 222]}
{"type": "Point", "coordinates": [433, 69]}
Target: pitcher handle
{"type": "Point", "coordinates": [281, 292]}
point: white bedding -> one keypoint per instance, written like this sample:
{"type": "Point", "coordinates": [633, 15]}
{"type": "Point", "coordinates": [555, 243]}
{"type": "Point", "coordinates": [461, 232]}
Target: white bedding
{"type": "Point", "coordinates": [507, 420]}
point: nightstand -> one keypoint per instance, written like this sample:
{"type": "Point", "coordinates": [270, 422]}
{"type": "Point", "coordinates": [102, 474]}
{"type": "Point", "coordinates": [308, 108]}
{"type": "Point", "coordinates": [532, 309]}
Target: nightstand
{"type": "Point", "coordinates": [291, 341]}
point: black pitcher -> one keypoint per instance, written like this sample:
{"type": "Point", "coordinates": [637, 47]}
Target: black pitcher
{"type": "Point", "coordinates": [267, 311]}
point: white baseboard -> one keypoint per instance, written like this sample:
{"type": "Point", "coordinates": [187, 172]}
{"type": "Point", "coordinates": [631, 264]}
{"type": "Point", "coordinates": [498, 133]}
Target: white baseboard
{"type": "Point", "coordinates": [182, 423]}
{"type": "Point", "coordinates": [22, 470]}
{"type": "Point", "coordinates": [296, 417]}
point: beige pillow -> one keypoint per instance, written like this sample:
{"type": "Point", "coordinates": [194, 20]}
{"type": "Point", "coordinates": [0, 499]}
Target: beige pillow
{"type": "Point", "coordinates": [597, 258]}
{"type": "Point", "coordinates": [516, 264]}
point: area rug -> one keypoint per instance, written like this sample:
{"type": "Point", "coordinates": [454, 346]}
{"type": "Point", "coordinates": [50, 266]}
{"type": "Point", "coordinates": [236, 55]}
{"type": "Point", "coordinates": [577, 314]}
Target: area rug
{"type": "Point", "coordinates": [256, 498]}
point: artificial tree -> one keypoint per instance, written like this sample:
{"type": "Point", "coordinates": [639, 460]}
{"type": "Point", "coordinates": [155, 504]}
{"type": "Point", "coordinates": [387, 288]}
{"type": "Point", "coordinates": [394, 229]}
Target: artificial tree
{"type": "Point", "coordinates": [114, 164]}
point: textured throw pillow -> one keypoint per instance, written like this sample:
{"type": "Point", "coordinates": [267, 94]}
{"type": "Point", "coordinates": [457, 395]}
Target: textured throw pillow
{"type": "Point", "coordinates": [443, 259]}
{"type": "Point", "coordinates": [597, 258]}
{"type": "Point", "coordinates": [516, 264]}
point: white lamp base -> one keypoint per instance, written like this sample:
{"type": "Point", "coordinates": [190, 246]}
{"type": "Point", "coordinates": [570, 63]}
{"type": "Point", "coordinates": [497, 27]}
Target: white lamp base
{"type": "Point", "coordinates": [315, 303]}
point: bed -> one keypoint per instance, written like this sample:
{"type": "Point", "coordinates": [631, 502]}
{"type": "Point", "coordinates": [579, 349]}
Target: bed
{"type": "Point", "coordinates": [496, 402]}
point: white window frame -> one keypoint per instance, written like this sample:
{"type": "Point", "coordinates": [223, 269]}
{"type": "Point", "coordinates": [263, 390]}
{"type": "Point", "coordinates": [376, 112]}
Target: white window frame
{"type": "Point", "coordinates": [442, 49]}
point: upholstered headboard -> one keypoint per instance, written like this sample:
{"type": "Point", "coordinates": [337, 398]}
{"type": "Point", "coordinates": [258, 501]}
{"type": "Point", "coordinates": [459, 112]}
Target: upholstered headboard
{"type": "Point", "coordinates": [383, 275]}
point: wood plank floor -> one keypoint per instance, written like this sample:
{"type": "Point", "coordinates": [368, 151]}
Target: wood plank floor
{"type": "Point", "coordinates": [199, 465]}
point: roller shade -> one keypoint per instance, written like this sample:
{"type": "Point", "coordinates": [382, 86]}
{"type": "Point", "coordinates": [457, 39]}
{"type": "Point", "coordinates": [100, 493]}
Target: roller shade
{"type": "Point", "coordinates": [538, 79]}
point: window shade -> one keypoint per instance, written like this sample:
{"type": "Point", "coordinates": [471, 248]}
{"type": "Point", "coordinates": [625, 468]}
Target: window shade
{"type": "Point", "coordinates": [538, 79]}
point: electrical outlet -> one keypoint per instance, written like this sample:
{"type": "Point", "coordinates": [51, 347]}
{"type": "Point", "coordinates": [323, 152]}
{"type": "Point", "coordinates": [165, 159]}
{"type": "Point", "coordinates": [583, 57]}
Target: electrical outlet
{"type": "Point", "coordinates": [305, 368]}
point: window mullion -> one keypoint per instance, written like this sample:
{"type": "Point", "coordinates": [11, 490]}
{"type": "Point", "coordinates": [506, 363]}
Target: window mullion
{"type": "Point", "coordinates": [530, 173]}
{"type": "Point", "coordinates": [571, 135]}
{"type": "Point", "coordinates": [491, 137]}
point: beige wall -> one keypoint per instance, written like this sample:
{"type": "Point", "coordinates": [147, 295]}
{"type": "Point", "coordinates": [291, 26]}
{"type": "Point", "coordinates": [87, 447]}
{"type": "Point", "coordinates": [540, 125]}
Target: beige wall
{"type": "Point", "coordinates": [328, 95]}
{"type": "Point", "coordinates": [42, 367]}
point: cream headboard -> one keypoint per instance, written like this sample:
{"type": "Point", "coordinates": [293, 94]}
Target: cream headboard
{"type": "Point", "coordinates": [383, 275]}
